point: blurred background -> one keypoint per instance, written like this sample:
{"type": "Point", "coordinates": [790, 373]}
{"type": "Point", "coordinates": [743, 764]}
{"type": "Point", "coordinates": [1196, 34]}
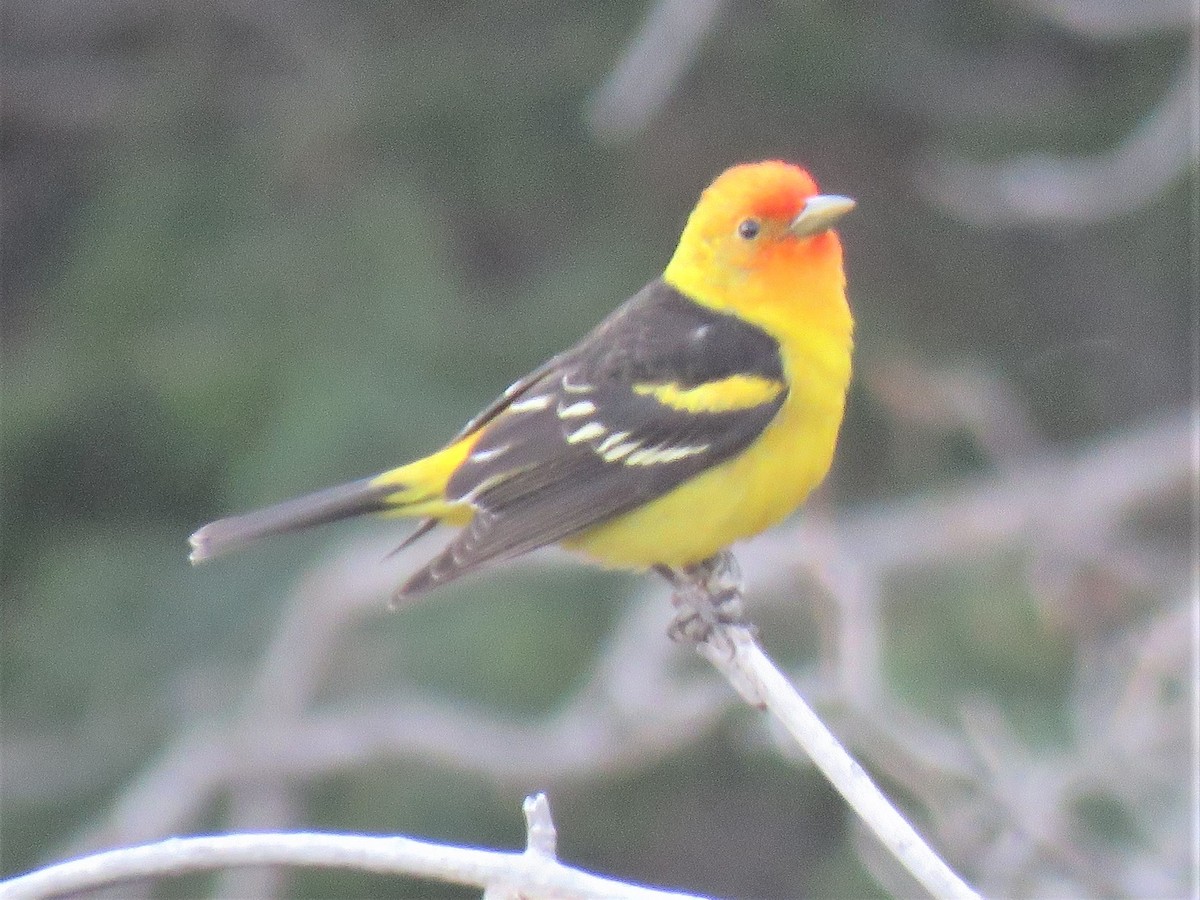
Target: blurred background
{"type": "Point", "coordinates": [251, 249]}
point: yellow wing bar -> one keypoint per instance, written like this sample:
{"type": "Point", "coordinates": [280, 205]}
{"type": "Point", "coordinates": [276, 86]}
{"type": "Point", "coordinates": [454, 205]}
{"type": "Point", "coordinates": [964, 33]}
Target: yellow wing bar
{"type": "Point", "coordinates": [723, 395]}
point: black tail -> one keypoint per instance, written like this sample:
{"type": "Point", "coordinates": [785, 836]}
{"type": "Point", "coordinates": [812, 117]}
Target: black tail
{"type": "Point", "coordinates": [329, 505]}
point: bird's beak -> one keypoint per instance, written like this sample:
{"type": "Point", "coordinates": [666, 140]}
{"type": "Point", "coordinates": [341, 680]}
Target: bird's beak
{"type": "Point", "coordinates": [819, 214]}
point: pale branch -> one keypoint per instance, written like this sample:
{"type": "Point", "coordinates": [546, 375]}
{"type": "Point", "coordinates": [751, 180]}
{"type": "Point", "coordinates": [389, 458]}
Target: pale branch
{"type": "Point", "coordinates": [946, 398]}
{"type": "Point", "coordinates": [733, 650]}
{"type": "Point", "coordinates": [653, 64]}
{"type": "Point", "coordinates": [1046, 189]}
{"type": "Point", "coordinates": [1051, 189]}
{"type": "Point", "coordinates": [1071, 490]}
{"type": "Point", "coordinates": [710, 603]}
{"type": "Point", "coordinates": [1113, 19]}
{"type": "Point", "coordinates": [533, 873]}
{"type": "Point", "coordinates": [541, 837]}
{"type": "Point", "coordinates": [1066, 504]}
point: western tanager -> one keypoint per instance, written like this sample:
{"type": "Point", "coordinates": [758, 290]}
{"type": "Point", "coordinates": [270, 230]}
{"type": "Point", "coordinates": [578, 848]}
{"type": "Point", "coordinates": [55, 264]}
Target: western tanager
{"type": "Point", "coordinates": [700, 412]}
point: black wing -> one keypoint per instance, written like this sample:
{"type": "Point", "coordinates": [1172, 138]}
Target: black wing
{"type": "Point", "coordinates": [584, 439]}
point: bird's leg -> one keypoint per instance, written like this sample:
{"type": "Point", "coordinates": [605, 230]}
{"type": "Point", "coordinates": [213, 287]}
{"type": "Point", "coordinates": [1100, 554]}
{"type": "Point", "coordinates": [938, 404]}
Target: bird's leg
{"type": "Point", "coordinates": [707, 594]}
{"type": "Point", "coordinates": [720, 579]}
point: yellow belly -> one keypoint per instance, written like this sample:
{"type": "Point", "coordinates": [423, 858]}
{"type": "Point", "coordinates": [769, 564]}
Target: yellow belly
{"type": "Point", "coordinates": [732, 501]}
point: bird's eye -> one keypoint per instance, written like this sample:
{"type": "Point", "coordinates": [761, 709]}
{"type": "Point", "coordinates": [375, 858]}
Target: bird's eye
{"type": "Point", "coordinates": [749, 229]}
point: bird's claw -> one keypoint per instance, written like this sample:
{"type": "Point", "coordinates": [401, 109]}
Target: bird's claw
{"type": "Point", "coordinates": [707, 595]}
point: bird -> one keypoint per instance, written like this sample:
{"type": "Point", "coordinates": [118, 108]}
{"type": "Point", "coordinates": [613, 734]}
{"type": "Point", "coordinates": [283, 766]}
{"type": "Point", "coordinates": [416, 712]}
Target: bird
{"type": "Point", "coordinates": [700, 412]}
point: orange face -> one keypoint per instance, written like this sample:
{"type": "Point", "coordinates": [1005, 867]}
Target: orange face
{"type": "Point", "coordinates": [760, 234]}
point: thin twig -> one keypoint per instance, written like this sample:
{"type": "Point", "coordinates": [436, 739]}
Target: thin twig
{"type": "Point", "coordinates": [1103, 20]}
{"type": "Point", "coordinates": [748, 664]}
{"type": "Point", "coordinates": [651, 67]}
{"type": "Point", "coordinates": [1047, 189]}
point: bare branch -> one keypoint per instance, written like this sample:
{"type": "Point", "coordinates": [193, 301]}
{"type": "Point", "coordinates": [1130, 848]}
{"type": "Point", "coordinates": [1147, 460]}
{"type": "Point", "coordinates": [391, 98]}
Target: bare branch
{"type": "Point", "coordinates": [1110, 19]}
{"type": "Point", "coordinates": [532, 874]}
{"type": "Point", "coordinates": [748, 664]}
{"type": "Point", "coordinates": [945, 398]}
{"type": "Point", "coordinates": [653, 63]}
{"type": "Point", "coordinates": [1074, 490]}
{"type": "Point", "coordinates": [541, 835]}
{"type": "Point", "coordinates": [1046, 189]}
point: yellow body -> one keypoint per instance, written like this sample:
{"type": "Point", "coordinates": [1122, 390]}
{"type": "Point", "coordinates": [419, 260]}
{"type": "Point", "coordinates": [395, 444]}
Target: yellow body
{"type": "Point", "coordinates": [794, 289]}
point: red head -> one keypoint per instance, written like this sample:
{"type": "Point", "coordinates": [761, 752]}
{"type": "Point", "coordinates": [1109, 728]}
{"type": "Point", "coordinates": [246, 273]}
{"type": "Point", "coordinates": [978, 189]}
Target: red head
{"type": "Point", "coordinates": [759, 242]}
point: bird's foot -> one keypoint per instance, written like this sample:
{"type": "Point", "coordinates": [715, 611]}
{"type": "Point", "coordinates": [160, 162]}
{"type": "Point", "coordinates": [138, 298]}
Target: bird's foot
{"type": "Point", "coordinates": [707, 594]}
